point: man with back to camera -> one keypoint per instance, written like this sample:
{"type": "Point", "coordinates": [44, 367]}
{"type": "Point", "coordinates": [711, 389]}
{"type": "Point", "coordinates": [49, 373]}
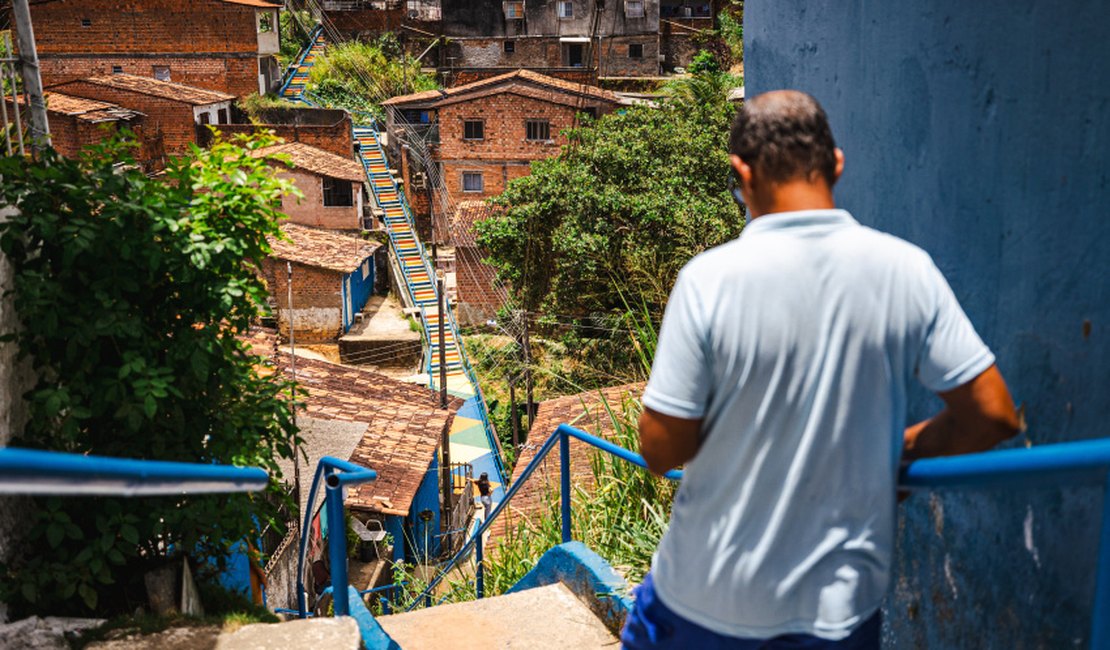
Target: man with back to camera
{"type": "Point", "coordinates": [780, 380]}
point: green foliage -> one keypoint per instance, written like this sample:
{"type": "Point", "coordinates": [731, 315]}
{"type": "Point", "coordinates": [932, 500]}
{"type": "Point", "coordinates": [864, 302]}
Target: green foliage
{"type": "Point", "coordinates": [730, 26]}
{"type": "Point", "coordinates": [611, 220]}
{"type": "Point", "coordinates": [704, 62]}
{"type": "Point", "coordinates": [295, 26]}
{"type": "Point", "coordinates": [622, 518]}
{"type": "Point", "coordinates": [254, 105]}
{"type": "Point", "coordinates": [130, 292]}
{"type": "Point", "coordinates": [358, 76]}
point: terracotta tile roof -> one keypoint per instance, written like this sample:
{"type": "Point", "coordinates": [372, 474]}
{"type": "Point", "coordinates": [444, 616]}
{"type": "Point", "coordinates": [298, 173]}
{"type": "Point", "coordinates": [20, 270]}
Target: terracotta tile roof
{"type": "Point", "coordinates": [87, 110]}
{"type": "Point", "coordinates": [164, 89]}
{"type": "Point", "coordinates": [318, 161]}
{"type": "Point", "coordinates": [435, 97]}
{"type": "Point", "coordinates": [468, 213]}
{"type": "Point", "coordinates": [324, 249]}
{"type": "Point", "coordinates": [584, 411]}
{"type": "Point", "coordinates": [388, 425]}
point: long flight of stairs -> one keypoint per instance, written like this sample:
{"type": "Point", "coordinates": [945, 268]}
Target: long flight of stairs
{"type": "Point", "coordinates": [410, 255]}
{"type": "Point", "coordinates": [294, 86]}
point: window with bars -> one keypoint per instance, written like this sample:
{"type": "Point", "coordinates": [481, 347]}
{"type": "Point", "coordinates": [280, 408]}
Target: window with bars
{"type": "Point", "coordinates": [473, 182]}
{"type": "Point", "coordinates": [564, 9]}
{"type": "Point", "coordinates": [635, 50]}
{"type": "Point", "coordinates": [514, 10]}
{"type": "Point", "coordinates": [634, 8]}
{"type": "Point", "coordinates": [474, 130]}
{"type": "Point", "coordinates": [337, 193]}
{"type": "Point", "coordinates": [537, 130]}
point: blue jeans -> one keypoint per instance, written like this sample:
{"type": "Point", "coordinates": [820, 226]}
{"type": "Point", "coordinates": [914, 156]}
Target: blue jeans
{"type": "Point", "coordinates": [652, 625]}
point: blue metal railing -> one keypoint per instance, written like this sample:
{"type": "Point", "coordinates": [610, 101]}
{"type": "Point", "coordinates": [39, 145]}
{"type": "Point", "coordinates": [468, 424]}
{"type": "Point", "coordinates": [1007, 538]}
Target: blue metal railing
{"type": "Point", "coordinates": [1071, 463]}
{"type": "Point", "coordinates": [36, 472]}
{"type": "Point", "coordinates": [336, 474]}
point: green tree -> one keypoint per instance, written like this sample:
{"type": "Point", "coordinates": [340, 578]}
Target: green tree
{"type": "Point", "coordinates": [131, 292]}
{"type": "Point", "coordinates": [611, 220]}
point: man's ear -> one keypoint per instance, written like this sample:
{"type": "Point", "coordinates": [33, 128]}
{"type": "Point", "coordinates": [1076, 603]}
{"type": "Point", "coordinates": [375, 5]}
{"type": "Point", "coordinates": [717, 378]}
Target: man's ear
{"type": "Point", "coordinates": [743, 170]}
{"type": "Point", "coordinates": [838, 153]}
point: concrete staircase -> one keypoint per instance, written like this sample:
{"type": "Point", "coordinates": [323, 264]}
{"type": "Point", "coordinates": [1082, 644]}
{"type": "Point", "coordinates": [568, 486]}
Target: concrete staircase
{"type": "Point", "coordinates": [294, 87]}
{"type": "Point", "coordinates": [544, 617]}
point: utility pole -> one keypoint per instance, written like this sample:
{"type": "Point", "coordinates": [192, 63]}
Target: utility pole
{"type": "Point", "coordinates": [32, 81]}
{"type": "Point", "coordinates": [511, 380]}
{"type": "Point", "coordinates": [448, 481]}
{"type": "Point", "coordinates": [526, 357]}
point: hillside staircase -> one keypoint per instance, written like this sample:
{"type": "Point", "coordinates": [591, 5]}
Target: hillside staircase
{"type": "Point", "coordinates": [296, 81]}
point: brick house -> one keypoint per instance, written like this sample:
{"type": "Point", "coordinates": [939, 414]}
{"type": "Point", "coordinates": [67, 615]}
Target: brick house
{"type": "Point", "coordinates": [78, 122]}
{"type": "Point", "coordinates": [486, 133]}
{"type": "Point", "coordinates": [477, 297]}
{"type": "Point", "coordinates": [222, 45]}
{"type": "Point", "coordinates": [333, 276]}
{"type": "Point", "coordinates": [332, 187]}
{"type": "Point", "coordinates": [578, 40]}
{"type": "Point", "coordinates": [172, 109]}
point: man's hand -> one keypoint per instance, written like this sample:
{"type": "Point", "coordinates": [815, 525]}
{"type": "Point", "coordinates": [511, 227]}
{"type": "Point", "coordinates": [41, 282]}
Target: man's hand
{"type": "Point", "coordinates": [978, 415]}
{"type": "Point", "coordinates": [667, 442]}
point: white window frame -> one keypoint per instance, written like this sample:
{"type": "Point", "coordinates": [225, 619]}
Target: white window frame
{"type": "Point", "coordinates": [514, 9]}
{"type": "Point", "coordinates": [628, 13]}
{"type": "Point", "coordinates": [564, 9]}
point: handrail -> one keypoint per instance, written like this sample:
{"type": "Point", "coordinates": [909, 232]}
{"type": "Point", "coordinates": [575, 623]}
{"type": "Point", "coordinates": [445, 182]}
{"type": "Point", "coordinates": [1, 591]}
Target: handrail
{"type": "Point", "coordinates": [1073, 463]}
{"type": "Point", "coordinates": [337, 474]}
{"type": "Point", "coordinates": [38, 472]}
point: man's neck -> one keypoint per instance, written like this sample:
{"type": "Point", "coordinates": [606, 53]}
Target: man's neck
{"type": "Point", "coordinates": [792, 196]}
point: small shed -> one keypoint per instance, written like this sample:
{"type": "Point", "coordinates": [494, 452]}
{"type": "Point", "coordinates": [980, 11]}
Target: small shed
{"type": "Point", "coordinates": [332, 276]}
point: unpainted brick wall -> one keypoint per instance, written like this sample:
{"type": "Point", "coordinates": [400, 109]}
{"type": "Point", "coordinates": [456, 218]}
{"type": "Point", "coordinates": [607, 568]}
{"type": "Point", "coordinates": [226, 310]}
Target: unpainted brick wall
{"type": "Point", "coordinates": [173, 119]}
{"type": "Point", "coordinates": [458, 77]}
{"type": "Point", "coordinates": [478, 302]}
{"type": "Point", "coordinates": [317, 300]}
{"type": "Point", "coordinates": [504, 153]}
{"type": "Point", "coordinates": [334, 139]}
{"type": "Point", "coordinates": [368, 22]}
{"type": "Point", "coordinates": [206, 43]}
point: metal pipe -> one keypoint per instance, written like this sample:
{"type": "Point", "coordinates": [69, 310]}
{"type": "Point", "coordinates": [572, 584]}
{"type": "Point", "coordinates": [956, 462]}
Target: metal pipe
{"type": "Point", "coordinates": [1100, 621]}
{"type": "Point", "coordinates": [564, 481]}
{"type": "Point", "coordinates": [337, 544]}
{"type": "Point", "coordinates": [619, 452]}
{"type": "Point", "coordinates": [37, 472]}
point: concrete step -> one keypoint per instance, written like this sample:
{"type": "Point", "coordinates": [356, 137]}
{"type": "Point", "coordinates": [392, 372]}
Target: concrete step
{"type": "Point", "coordinates": [545, 617]}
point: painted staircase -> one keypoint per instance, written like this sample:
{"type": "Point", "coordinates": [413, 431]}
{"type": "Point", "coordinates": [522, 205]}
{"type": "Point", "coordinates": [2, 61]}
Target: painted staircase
{"type": "Point", "coordinates": [294, 86]}
{"type": "Point", "coordinates": [473, 439]}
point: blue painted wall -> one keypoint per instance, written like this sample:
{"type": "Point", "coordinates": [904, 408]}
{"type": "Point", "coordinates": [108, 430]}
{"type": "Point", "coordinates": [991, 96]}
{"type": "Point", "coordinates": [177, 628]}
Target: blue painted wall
{"type": "Point", "coordinates": [980, 131]}
{"type": "Point", "coordinates": [425, 535]}
{"type": "Point", "coordinates": [360, 288]}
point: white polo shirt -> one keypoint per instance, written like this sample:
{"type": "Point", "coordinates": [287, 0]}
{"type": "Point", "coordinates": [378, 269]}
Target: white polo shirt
{"type": "Point", "coordinates": [796, 343]}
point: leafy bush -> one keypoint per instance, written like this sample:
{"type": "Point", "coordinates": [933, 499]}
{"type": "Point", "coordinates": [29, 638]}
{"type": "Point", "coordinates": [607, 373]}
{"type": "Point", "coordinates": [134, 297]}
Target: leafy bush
{"type": "Point", "coordinates": [130, 292]}
{"type": "Point", "coordinates": [254, 105]}
{"type": "Point", "coordinates": [359, 76]}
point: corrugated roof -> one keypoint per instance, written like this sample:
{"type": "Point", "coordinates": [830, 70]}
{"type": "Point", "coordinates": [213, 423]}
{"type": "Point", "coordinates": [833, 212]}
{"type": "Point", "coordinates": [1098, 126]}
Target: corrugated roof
{"type": "Point", "coordinates": [164, 89]}
{"type": "Point", "coordinates": [87, 110]}
{"type": "Point", "coordinates": [318, 161]}
{"type": "Point", "coordinates": [584, 411]}
{"type": "Point", "coordinates": [324, 249]}
{"type": "Point", "coordinates": [434, 97]}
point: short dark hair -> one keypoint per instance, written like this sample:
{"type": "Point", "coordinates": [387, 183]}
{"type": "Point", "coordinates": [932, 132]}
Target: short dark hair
{"type": "Point", "coordinates": [784, 135]}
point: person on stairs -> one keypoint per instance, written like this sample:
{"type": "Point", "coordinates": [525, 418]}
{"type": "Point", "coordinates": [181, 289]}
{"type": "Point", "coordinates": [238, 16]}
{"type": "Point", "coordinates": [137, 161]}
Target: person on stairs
{"type": "Point", "coordinates": [780, 382]}
{"type": "Point", "coordinates": [484, 494]}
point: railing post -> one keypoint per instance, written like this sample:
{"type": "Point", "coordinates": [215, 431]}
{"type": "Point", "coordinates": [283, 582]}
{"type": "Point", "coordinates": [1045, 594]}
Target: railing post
{"type": "Point", "coordinates": [1100, 621]}
{"type": "Point", "coordinates": [564, 482]}
{"type": "Point", "coordinates": [337, 544]}
{"type": "Point", "coordinates": [480, 578]}
{"type": "Point", "coordinates": [386, 611]}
